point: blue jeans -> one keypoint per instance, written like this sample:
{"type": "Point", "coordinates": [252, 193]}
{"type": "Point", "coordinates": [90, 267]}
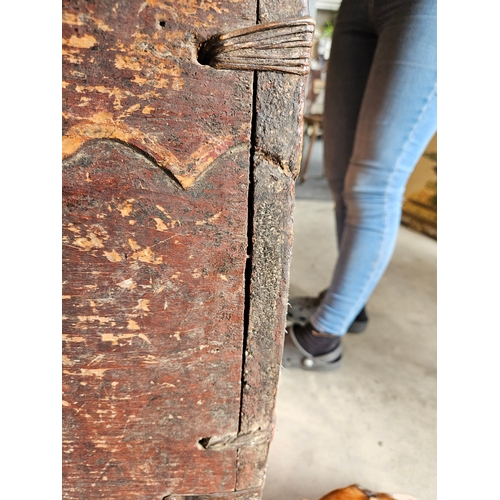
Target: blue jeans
{"type": "Point", "coordinates": [380, 114]}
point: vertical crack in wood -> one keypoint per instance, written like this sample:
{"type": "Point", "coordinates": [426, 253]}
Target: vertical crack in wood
{"type": "Point", "coordinates": [250, 236]}
{"type": "Point", "coordinates": [248, 267]}
{"type": "Point", "coordinates": [276, 142]}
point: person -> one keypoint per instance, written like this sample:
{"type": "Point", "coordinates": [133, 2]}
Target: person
{"type": "Point", "coordinates": [380, 114]}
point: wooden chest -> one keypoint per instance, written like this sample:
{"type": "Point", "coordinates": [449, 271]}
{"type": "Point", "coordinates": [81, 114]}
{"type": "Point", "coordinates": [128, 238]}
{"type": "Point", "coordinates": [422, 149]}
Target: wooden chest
{"type": "Point", "coordinates": [181, 144]}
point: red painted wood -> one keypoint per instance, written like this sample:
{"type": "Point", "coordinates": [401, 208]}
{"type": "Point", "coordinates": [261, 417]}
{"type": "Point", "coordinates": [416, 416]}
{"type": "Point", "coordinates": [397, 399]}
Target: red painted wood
{"type": "Point", "coordinates": [153, 271]}
{"type": "Point", "coordinates": [130, 72]}
{"type": "Point", "coordinates": [172, 338]}
{"type": "Point", "coordinates": [153, 306]}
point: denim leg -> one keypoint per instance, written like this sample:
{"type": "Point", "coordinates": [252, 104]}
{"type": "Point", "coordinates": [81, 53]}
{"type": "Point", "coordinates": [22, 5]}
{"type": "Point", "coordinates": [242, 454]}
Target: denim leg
{"type": "Point", "coordinates": [353, 41]}
{"type": "Point", "coordinates": [396, 120]}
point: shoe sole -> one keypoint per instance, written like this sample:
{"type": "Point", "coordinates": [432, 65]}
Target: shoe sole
{"type": "Point", "coordinates": [293, 358]}
{"type": "Point", "coordinates": [358, 327]}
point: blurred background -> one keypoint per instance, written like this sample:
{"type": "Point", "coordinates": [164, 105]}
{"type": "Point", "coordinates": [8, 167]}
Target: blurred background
{"type": "Point", "coordinates": [372, 422]}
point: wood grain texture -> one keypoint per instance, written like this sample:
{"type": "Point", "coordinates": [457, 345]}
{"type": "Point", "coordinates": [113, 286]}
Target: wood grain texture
{"type": "Point", "coordinates": [153, 325]}
{"type": "Point", "coordinates": [252, 494]}
{"type": "Point", "coordinates": [130, 73]}
{"type": "Point", "coordinates": [172, 338]}
{"type": "Point", "coordinates": [276, 162]}
{"type": "Point", "coordinates": [154, 262]}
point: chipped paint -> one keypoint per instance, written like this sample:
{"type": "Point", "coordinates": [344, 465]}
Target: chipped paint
{"type": "Point", "coordinates": [130, 110]}
{"type": "Point", "coordinates": [95, 372]}
{"type": "Point", "coordinates": [147, 255]}
{"type": "Point", "coordinates": [73, 338]}
{"type": "Point", "coordinates": [81, 19]}
{"type": "Point", "coordinates": [164, 83]}
{"type": "Point", "coordinates": [160, 61]}
{"type": "Point", "coordinates": [191, 7]}
{"type": "Point", "coordinates": [126, 209]}
{"type": "Point", "coordinates": [133, 244]}
{"type": "Point", "coordinates": [97, 359]}
{"type": "Point", "coordinates": [142, 305]}
{"type": "Point", "coordinates": [128, 284]}
{"type": "Point", "coordinates": [127, 62]}
{"type": "Point", "coordinates": [88, 243]}
{"type": "Point", "coordinates": [139, 80]}
{"type": "Point", "coordinates": [66, 361]}
{"type": "Point", "coordinates": [110, 337]}
{"type": "Point", "coordinates": [160, 225]}
{"type": "Point", "coordinates": [72, 55]}
{"type": "Point", "coordinates": [132, 325]}
{"type": "Point", "coordinates": [210, 220]}
{"type": "Point", "coordinates": [100, 443]}
{"type": "Point", "coordinates": [84, 42]}
{"type": "Point", "coordinates": [113, 256]}
{"type": "Point", "coordinates": [90, 319]}
{"type": "Point", "coordinates": [170, 130]}
{"type": "Point", "coordinates": [102, 125]}
{"type": "Point", "coordinates": [84, 101]}
{"type": "Point", "coordinates": [71, 227]}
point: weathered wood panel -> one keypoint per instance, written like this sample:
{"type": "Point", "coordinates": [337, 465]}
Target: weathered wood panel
{"type": "Point", "coordinates": [130, 73]}
{"type": "Point", "coordinates": [275, 166]}
{"type": "Point", "coordinates": [172, 338]}
{"type": "Point", "coordinates": [153, 330]}
{"type": "Point", "coordinates": [155, 226]}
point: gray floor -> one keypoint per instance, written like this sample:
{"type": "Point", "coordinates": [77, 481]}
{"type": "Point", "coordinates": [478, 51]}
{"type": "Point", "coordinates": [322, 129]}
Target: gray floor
{"type": "Point", "coordinates": [372, 422]}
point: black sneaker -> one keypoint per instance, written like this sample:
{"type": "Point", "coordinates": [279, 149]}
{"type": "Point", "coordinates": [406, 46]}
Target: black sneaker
{"type": "Point", "coordinates": [295, 355]}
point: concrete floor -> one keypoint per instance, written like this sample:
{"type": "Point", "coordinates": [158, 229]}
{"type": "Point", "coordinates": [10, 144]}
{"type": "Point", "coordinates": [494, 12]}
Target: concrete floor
{"type": "Point", "coordinates": [372, 422]}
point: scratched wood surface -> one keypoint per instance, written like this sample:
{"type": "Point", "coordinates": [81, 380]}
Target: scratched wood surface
{"type": "Point", "coordinates": [276, 161]}
{"type": "Point", "coordinates": [172, 338]}
{"type": "Point", "coordinates": [154, 255]}
{"type": "Point", "coordinates": [130, 73]}
{"type": "Point", "coordinates": [153, 305]}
